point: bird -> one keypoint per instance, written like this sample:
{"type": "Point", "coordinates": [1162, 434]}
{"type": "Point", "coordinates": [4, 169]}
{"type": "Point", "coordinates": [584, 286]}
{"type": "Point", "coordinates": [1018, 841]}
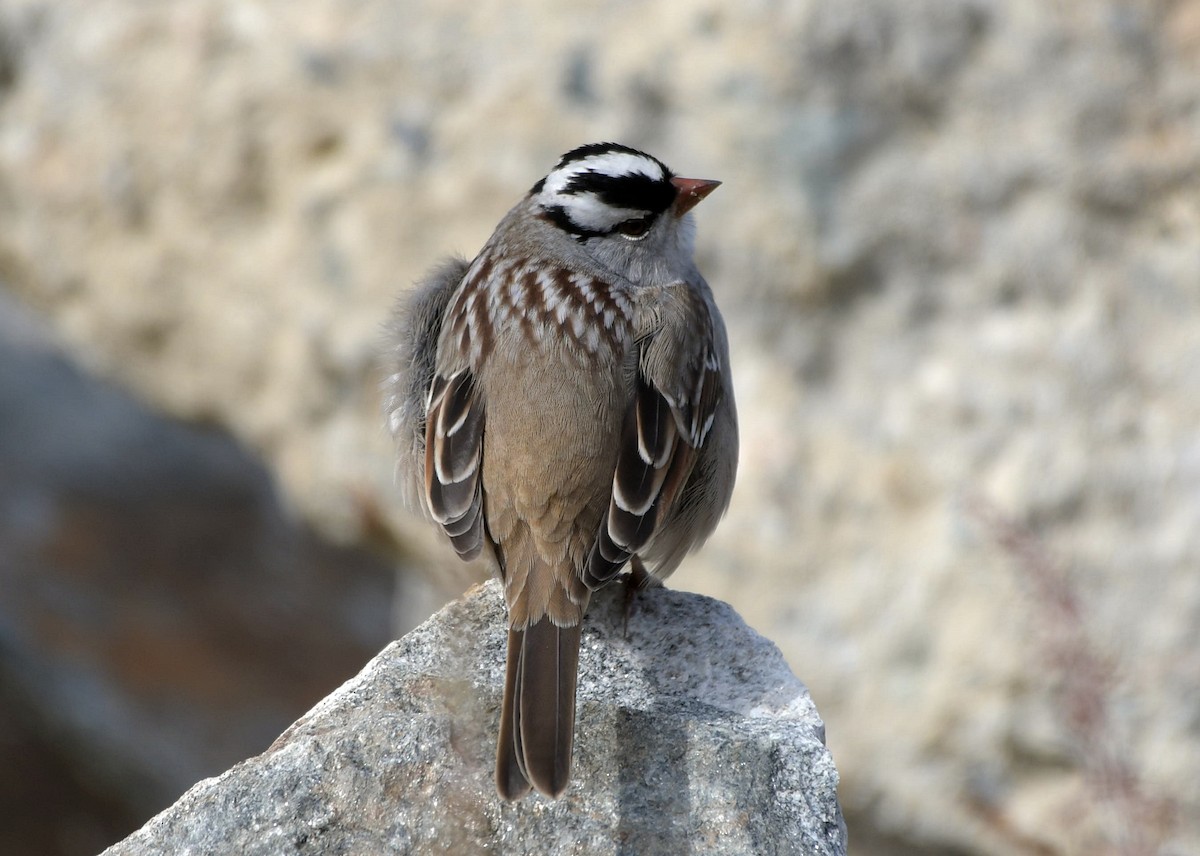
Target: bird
{"type": "Point", "coordinates": [562, 405]}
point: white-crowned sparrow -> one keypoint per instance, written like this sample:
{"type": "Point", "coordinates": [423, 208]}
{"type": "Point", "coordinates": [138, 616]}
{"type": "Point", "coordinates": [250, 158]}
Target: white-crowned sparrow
{"type": "Point", "coordinates": [563, 405]}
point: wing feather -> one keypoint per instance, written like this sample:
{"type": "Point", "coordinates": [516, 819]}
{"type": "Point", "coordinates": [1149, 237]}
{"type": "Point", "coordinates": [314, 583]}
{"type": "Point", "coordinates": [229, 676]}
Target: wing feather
{"type": "Point", "coordinates": [676, 395]}
{"type": "Point", "coordinates": [453, 451]}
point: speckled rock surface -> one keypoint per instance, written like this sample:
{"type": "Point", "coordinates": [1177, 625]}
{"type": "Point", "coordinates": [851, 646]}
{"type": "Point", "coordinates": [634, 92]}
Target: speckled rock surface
{"type": "Point", "coordinates": [693, 737]}
{"type": "Point", "coordinates": [956, 248]}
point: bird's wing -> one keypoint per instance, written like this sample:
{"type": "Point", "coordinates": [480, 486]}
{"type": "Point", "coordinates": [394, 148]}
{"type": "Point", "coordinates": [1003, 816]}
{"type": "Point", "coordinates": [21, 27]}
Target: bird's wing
{"type": "Point", "coordinates": [453, 460]}
{"type": "Point", "coordinates": [677, 391]}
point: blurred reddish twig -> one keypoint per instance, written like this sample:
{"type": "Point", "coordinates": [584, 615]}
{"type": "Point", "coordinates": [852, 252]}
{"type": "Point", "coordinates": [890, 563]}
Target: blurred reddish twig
{"type": "Point", "coordinates": [1137, 823]}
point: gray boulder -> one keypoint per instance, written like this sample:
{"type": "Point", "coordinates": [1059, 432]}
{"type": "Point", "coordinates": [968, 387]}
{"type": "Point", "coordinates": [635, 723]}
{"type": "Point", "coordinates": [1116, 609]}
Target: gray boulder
{"type": "Point", "coordinates": [693, 736]}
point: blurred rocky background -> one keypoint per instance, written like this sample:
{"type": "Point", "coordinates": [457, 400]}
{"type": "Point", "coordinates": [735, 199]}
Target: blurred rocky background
{"type": "Point", "coordinates": [161, 617]}
{"type": "Point", "coordinates": [958, 248]}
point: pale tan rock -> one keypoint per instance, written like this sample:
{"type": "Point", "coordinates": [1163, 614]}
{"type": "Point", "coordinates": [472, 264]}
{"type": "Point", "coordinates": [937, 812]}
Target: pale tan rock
{"type": "Point", "coordinates": [956, 246]}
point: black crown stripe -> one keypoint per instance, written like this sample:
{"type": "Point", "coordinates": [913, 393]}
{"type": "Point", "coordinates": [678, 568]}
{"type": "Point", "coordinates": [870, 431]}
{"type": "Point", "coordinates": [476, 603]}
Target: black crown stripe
{"type": "Point", "coordinates": [633, 190]}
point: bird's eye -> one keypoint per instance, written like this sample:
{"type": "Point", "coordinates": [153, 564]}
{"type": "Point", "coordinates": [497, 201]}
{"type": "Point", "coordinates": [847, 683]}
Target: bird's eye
{"type": "Point", "coordinates": [634, 229]}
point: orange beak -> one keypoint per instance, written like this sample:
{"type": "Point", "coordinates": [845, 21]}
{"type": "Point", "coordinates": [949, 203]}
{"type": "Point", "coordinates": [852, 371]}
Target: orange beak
{"type": "Point", "coordinates": [691, 191]}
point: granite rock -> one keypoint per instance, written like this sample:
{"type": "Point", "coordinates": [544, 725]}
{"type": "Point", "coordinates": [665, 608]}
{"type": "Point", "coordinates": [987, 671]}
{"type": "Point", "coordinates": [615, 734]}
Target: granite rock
{"type": "Point", "coordinates": [693, 736]}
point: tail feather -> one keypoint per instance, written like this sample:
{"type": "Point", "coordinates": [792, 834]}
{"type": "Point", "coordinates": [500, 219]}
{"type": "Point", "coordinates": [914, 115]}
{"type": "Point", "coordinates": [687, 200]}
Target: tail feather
{"type": "Point", "coordinates": [549, 665]}
{"type": "Point", "coordinates": [511, 781]}
{"type": "Point", "coordinates": [537, 719]}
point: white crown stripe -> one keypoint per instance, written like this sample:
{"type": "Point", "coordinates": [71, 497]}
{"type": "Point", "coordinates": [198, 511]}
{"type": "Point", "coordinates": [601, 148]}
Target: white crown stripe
{"type": "Point", "coordinates": [590, 212]}
{"type": "Point", "coordinates": [615, 164]}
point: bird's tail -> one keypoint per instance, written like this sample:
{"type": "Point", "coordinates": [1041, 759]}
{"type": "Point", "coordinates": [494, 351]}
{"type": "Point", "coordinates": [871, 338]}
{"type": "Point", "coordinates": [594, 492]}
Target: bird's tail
{"type": "Point", "coordinates": [537, 718]}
